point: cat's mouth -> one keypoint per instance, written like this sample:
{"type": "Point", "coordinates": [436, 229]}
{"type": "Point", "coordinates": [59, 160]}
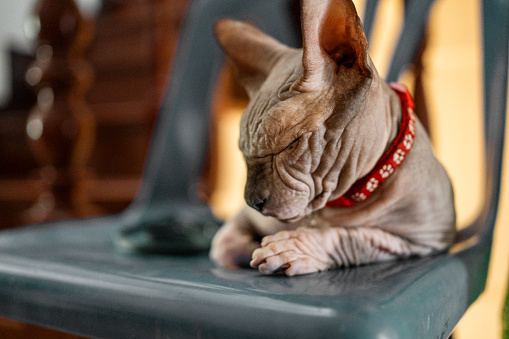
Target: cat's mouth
{"type": "Point", "coordinates": [292, 219]}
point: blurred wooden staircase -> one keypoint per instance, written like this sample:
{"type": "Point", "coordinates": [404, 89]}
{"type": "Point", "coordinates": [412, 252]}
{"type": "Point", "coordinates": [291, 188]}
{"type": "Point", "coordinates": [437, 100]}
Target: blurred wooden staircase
{"type": "Point", "coordinates": [131, 55]}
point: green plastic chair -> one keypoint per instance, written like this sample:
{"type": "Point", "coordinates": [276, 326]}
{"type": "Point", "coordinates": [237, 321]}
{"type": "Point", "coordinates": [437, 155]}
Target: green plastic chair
{"type": "Point", "coordinates": [70, 276]}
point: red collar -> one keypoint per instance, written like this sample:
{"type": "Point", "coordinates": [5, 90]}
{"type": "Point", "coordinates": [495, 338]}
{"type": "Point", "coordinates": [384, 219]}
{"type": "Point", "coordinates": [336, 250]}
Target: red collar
{"type": "Point", "coordinates": [390, 160]}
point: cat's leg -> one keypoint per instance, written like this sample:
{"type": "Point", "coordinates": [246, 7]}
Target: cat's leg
{"type": "Point", "coordinates": [308, 250]}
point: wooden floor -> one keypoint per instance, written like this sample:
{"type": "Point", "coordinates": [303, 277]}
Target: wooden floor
{"type": "Point", "coordinates": [10, 329]}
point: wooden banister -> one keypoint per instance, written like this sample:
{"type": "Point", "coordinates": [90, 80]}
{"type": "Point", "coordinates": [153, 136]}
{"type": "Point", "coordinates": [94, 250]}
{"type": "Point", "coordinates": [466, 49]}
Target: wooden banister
{"type": "Point", "coordinates": [60, 127]}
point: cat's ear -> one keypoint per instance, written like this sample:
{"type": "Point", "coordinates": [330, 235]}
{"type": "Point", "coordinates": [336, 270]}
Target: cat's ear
{"type": "Point", "coordinates": [252, 52]}
{"type": "Point", "coordinates": [332, 33]}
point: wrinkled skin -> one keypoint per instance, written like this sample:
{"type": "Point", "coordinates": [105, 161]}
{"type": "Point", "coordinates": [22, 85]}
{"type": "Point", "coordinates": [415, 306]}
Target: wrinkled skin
{"type": "Point", "coordinates": [318, 120]}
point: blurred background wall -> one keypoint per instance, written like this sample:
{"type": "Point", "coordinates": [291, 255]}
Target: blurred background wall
{"type": "Point", "coordinates": [131, 54]}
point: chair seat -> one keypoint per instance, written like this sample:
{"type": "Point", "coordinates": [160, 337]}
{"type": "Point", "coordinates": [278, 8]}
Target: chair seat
{"type": "Point", "coordinates": [69, 276]}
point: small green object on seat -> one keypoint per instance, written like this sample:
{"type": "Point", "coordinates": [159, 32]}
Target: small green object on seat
{"type": "Point", "coordinates": [172, 231]}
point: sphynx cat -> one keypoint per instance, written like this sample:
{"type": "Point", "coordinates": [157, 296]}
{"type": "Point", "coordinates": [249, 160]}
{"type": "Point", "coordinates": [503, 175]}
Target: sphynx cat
{"type": "Point", "coordinates": [319, 121]}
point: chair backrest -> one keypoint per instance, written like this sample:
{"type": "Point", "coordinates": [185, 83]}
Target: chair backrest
{"type": "Point", "coordinates": [179, 145]}
{"type": "Point", "coordinates": [415, 19]}
{"type": "Point", "coordinates": [495, 70]}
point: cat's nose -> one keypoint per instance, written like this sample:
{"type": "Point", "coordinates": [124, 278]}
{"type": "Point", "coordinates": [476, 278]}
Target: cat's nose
{"type": "Point", "coordinates": [259, 205]}
{"type": "Point", "coordinates": [257, 200]}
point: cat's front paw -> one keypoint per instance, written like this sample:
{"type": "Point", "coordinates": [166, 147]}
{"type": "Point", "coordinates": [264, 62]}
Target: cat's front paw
{"type": "Point", "coordinates": [295, 252]}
